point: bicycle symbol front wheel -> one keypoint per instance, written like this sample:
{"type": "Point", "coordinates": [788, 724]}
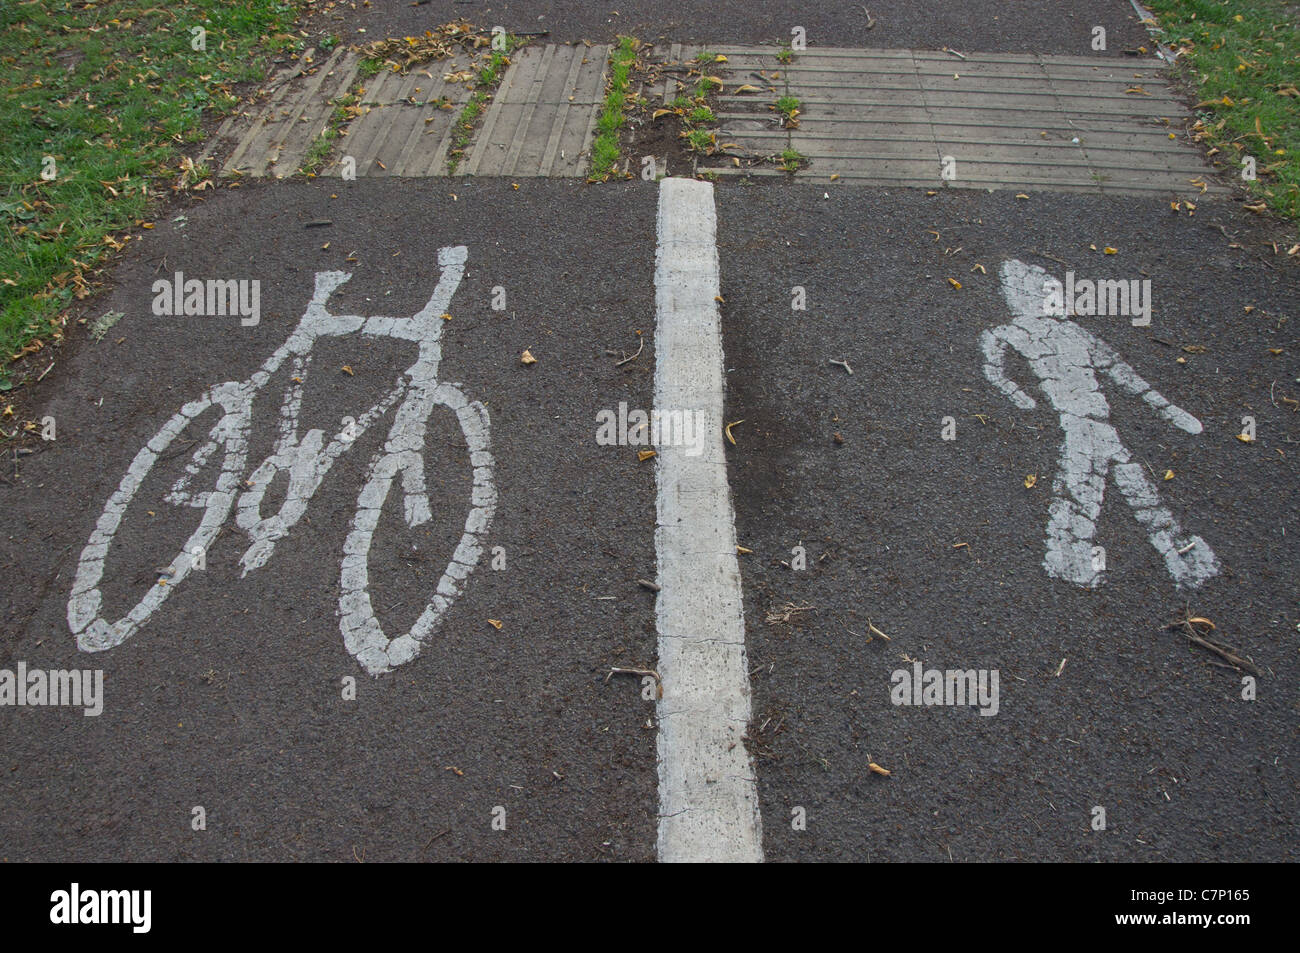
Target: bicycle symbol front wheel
{"type": "Point", "coordinates": [362, 633]}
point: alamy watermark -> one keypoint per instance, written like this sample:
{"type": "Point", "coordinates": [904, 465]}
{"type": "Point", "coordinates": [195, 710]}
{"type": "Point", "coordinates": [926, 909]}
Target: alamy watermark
{"type": "Point", "coordinates": [38, 688]}
{"type": "Point", "coordinates": [213, 298]}
{"type": "Point", "coordinates": [658, 428]}
{"type": "Point", "coordinates": [950, 687]}
{"type": "Point", "coordinates": [1105, 297]}
{"type": "Point", "coordinates": [78, 906]}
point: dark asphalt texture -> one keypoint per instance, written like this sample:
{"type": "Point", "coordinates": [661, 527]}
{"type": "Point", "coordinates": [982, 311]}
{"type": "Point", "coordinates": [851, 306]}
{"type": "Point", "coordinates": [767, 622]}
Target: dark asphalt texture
{"type": "Point", "coordinates": [1138, 721]}
{"type": "Point", "coordinates": [230, 696]}
{"type": "Point", "coordinates": [988, 26]}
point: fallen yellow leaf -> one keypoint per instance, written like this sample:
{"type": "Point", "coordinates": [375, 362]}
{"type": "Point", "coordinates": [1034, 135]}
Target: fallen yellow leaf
{"type": "Point", "coordinates": [643, 455]}
{"type": "Point", "coordinates": [495, 623]}
{"type": "Point", "coordinates": [955, 283]}
{"type": "Point", "coordinates": [735, 423]}
{"type": "Point", "coordinates": [878, 769]}
{"type": "Point", "coordinates": [1030, 480]}
{"type": "Point", "coordinates": [527, 358]}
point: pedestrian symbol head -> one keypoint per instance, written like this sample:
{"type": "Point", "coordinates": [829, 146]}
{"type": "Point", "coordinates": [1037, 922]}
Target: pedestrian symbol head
{"type": "Point", "coordinates": [1030, 291]}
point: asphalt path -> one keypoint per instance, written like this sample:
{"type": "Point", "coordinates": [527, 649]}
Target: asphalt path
{"type": "Point", "coordinates": [230, 697]}
{"type": "Point", "coordinates": [939, 544]}
{"type": "Point", "coordinates": [1031, 26]}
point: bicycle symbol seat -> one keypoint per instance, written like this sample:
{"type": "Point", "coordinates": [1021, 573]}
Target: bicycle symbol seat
{"type": "Point", "coordinates": [305, 461]}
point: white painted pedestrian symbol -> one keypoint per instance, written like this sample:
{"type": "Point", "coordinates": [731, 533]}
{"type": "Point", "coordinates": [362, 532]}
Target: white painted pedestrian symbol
{"type": "Point", "coordinates": [1066, 357]}
{"type": "Point", "coordinates": [305, 461]}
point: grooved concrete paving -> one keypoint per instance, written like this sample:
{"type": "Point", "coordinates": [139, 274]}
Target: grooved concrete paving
{"type": "Point", "coordinates": [867, 117]}
{"type": "Point", "coordinates": [407, 122]}
{"type": "Point", "coordinates": [1023, 121]}
{"type": "Point", "coordinates": [542, 118]}
{"type": "Point", "coordinates": [540, 123]}
{"type": "Point", "coordinates": [273, 141]}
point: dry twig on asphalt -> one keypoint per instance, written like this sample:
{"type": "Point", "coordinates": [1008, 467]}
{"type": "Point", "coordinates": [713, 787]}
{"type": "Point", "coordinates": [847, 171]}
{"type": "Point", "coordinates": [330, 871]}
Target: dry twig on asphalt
{"type": "Point", "coordinates": [786, 613]}
{"type": "Point", "coordinates": [1188, 626]}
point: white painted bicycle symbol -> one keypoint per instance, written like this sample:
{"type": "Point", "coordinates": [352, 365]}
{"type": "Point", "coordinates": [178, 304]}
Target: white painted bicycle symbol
{"type": "Point", "coordinates": [305, 461]}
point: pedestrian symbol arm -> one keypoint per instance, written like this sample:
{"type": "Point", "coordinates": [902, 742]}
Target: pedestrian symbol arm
{"type": "Point", "coordinates": [995, 353]}
{"type": "Point", "coordinates": [1107, 359]}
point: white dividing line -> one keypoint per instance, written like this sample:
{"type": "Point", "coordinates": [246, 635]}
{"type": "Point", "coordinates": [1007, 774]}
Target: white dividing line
{"type": "Point", "coordinates": [708, 798]}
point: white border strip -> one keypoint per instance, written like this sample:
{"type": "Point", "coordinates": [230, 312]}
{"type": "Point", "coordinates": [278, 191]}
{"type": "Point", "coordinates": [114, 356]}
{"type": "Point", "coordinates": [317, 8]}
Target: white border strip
{"type": "Point", "coordinates": [1162, 52]}
{"type": "Point", "coordinates": [708, 797]}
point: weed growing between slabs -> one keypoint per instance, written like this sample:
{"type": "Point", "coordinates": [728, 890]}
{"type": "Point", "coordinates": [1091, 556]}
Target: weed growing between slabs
{"type": "Point", "coordinates": [1244, 58]}
{"type": "Point", "coordinates": [788, 107]}
{"type": "Point", "coordinates": [98, 103]}
{"type": "Point", "coordinates": [401, 54]}
{"type": "Point", "coordinates": [345, 107]}
{"type": "Point", "coordinates": [605, 149]}
{"type": "Point", "coordinates": [698, 120]}
{"type": "Point", "coordinates": [651, 130]}
{"type": "Point", "coordinates": [761, 95]}
{"type": "Point", "coordinates": [486, 80]}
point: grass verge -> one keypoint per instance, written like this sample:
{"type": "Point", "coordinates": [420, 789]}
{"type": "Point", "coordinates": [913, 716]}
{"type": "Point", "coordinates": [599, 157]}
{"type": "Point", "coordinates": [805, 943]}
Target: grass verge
{"type": "Point", "coordinates": [1244, 58]}
{"type": "Point", "coordinates": [97, 105]}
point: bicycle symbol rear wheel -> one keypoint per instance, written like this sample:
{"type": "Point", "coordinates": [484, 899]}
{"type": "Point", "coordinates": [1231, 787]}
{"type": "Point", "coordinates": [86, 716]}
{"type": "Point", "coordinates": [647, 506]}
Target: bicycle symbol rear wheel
{"type": "Point", "coordinates": [229, 434]}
